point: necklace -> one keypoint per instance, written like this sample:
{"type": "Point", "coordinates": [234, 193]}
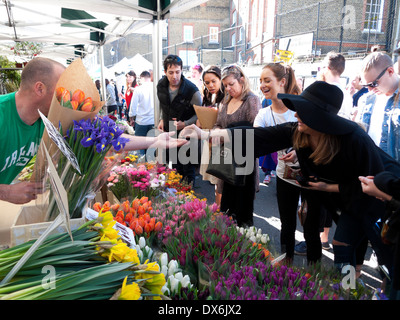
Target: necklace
{"type": "Point", "coordinates": [272, 114]}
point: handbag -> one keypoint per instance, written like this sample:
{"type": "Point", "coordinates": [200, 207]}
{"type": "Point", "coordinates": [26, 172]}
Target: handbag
{"type": "Point", "coordinates": [223, 166]}
{"type": "Point", "coordinates": [291, 172]}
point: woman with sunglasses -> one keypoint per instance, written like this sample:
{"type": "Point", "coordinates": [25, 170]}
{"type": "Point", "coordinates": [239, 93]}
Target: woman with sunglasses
{"type": "Point", "coordinates": [240, 106]}
{"type": "Point", "coordinates": [332, 152]}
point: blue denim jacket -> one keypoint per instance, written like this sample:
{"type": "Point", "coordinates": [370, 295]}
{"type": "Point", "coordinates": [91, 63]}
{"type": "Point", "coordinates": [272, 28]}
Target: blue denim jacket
{"type": "Point", "coordinates": [390, 139]}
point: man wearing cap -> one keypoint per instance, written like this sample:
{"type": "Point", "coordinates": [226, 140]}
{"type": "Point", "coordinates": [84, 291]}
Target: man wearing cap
{"type": "Point", "coordinates": [332, 152]}
{"type": "Point", "coordinates": [378, 110]}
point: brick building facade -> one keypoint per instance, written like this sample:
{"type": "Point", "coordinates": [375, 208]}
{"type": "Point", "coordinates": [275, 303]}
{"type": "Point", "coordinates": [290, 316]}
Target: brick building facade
{"type": "Point", "coordinates": [347, 26]}
{"type": "Point", "coordinates": [199, 34]}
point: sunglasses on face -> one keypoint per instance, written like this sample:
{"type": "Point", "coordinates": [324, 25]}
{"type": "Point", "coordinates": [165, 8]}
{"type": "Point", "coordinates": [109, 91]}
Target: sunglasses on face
{"type": "Point", "coordinates": [375, 83]}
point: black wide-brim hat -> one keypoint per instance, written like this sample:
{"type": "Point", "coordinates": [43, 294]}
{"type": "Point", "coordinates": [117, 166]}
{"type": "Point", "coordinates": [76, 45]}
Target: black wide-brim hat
{"type": "Point", "coordinates": [318, 106]}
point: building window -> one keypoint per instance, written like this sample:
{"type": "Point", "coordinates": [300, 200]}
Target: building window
{"type": "Point", "coordinates": [189, 58]}
{"type": "Point", "coordinates": [374, 15]}
{"type": "Point", "coordinates": [187, 33]}
{"type": "Point", "coordinates": [233, 40]}
{"type": "Point", "coordinates": [213, 34]}
{"type": "Point", "coordinates": [241, 33]}
{"type": "Point", "coordinates": [234, 18]}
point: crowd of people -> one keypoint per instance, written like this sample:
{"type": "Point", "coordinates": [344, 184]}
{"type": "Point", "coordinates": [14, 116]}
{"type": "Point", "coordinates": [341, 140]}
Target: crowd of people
{"type": "Point", "coordinates": [337, 152]}
{"type": "Point", "coordinates": [337, 149]}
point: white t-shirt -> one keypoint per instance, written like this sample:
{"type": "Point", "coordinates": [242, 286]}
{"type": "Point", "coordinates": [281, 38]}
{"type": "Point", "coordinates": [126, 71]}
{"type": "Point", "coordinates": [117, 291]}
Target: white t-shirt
{"type": "Point", "coordinates": [267, 118]}
{"type": "Point", "coordinates": [347, 104]}
{"type": "Point", "coordinates": [142, 104]}
{"type": "Point", "coordinates": [378, 112]}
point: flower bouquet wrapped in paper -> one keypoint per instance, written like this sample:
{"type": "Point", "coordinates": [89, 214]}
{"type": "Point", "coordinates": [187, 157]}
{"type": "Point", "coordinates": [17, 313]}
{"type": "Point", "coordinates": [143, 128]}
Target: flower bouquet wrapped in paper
{"type": "Point", "coordinates": [91, 142]}
{"type": "Point", "coordinates": [62, 115]}
{"type": "Point", "coordinates": [74, 112]}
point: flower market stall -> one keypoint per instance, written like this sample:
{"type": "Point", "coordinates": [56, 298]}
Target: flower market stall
{"type": "Point", "coordinates": [153, 238]}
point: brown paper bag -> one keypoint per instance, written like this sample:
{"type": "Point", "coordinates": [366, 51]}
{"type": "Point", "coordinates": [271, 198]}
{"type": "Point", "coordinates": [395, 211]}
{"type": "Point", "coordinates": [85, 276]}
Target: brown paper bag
{"type": "Point", "coordinates": [206, 115]}
{"type": "Point", "coordinates": [74, 77]}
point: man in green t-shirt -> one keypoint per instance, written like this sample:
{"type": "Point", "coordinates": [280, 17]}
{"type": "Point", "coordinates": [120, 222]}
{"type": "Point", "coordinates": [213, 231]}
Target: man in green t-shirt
{"type": "Point", "coordinates": [22, 127]}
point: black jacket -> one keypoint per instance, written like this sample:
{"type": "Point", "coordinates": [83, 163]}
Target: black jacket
{"type": "Point", "coordinates": [358, 156]}
{"type": "Point", "coordinates": [180, 108]}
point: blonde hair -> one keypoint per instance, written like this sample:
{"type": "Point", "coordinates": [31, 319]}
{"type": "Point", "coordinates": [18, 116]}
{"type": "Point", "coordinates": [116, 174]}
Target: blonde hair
{"type": "Point", "coordinates": [237, 73]}
{"type": "Point", "coordinates": [377, 60]}
{"type": "Point", "coordinates": [327, 148]}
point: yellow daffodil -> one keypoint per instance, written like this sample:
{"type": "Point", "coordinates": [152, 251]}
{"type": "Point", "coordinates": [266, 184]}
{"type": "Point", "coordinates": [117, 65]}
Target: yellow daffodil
{"type": "Point", "coordinates": [118, 252]}
{"type": "Point", "coordinates": [106, 218]}
{"type": "Point", "coordinates": [132, 256]}
{"type": "Point", "coordinates": [109, 232]}
{"type": "Point", "coordinates": [155, 283]}
{"type": "Point", "coordinates": [130, 291]}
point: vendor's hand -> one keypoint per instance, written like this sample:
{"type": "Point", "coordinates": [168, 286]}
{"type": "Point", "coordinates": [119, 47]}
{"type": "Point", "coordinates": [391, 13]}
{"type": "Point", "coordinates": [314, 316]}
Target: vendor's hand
{"type": "Point", "coordinates": [289, 157]}
{"type": "Point", "coordinates": [179, 125]}
{"type": "Point", "coordinates": [21, 192]}
{"type": "Point", "coordinates": [165, 141]}
{"type": "Point", "coordinates": [368, 186]}
{"type": "Point", "coordinates": [193, 131]}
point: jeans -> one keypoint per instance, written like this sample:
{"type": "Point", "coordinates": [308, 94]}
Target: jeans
{"type": "Point", "coordinates": [353, 230]}
{"type": "Point", "coordinates": [141, 131]}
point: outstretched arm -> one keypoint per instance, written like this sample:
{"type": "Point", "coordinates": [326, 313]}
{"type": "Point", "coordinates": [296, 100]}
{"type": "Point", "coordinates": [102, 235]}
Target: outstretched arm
{"type": "Point", "coordinates": [163, 141]}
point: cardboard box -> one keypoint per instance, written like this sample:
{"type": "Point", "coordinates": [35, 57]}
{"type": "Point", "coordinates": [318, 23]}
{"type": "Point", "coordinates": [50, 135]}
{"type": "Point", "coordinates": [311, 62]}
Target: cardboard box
{"type": "Point", "coordinates": [28, 225]}
{"type": "Point", "coordinates": [8, 212]}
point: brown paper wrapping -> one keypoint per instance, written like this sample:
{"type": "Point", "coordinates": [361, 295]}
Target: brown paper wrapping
{"type": "Point", "coordinates": [74, 77]}
{"type": "Point", "coordinates": [206, 115]}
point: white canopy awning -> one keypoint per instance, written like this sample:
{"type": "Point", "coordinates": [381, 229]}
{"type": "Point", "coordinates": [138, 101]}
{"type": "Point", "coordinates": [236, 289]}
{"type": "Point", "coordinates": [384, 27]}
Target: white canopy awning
{"type": "Point", "coordinates": [94, 23]}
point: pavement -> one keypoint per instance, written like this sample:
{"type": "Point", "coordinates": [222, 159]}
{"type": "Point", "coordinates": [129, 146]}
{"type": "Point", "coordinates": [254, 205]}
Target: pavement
{"type": "Point", "coordinates": [266, 217]}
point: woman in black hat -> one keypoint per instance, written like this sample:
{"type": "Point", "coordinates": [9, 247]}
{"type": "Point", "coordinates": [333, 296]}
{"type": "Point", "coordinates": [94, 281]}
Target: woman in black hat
{"type": "Point", "coordinates": [332, 152]}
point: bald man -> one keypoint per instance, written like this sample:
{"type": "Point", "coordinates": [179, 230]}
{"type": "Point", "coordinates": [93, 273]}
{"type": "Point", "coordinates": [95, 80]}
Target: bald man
{"type": "Point", "coordinates": [22, 127]}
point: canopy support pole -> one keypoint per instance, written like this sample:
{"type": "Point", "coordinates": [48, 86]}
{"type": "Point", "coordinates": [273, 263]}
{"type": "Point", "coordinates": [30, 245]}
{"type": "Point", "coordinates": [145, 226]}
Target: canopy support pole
{"type": "Point", "coordinates": [157, 58]}
{"type": "Point", "coordinates": [102, 80]}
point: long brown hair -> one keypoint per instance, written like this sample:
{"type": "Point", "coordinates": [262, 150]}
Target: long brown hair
{"type": "Point", "coordinates": [327, 147]}
{"type": "Point", "coordinates": [285, 72]}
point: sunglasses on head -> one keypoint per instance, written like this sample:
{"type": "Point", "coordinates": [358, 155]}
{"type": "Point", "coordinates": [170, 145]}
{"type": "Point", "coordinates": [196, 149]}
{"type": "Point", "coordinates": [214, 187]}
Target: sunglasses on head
{"type": "Point", "coordinates": [375, 83]}
{"type": "Point", "coordinates": [173, 59]}
{"type": "Point", "coordinates": [232, 69]}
